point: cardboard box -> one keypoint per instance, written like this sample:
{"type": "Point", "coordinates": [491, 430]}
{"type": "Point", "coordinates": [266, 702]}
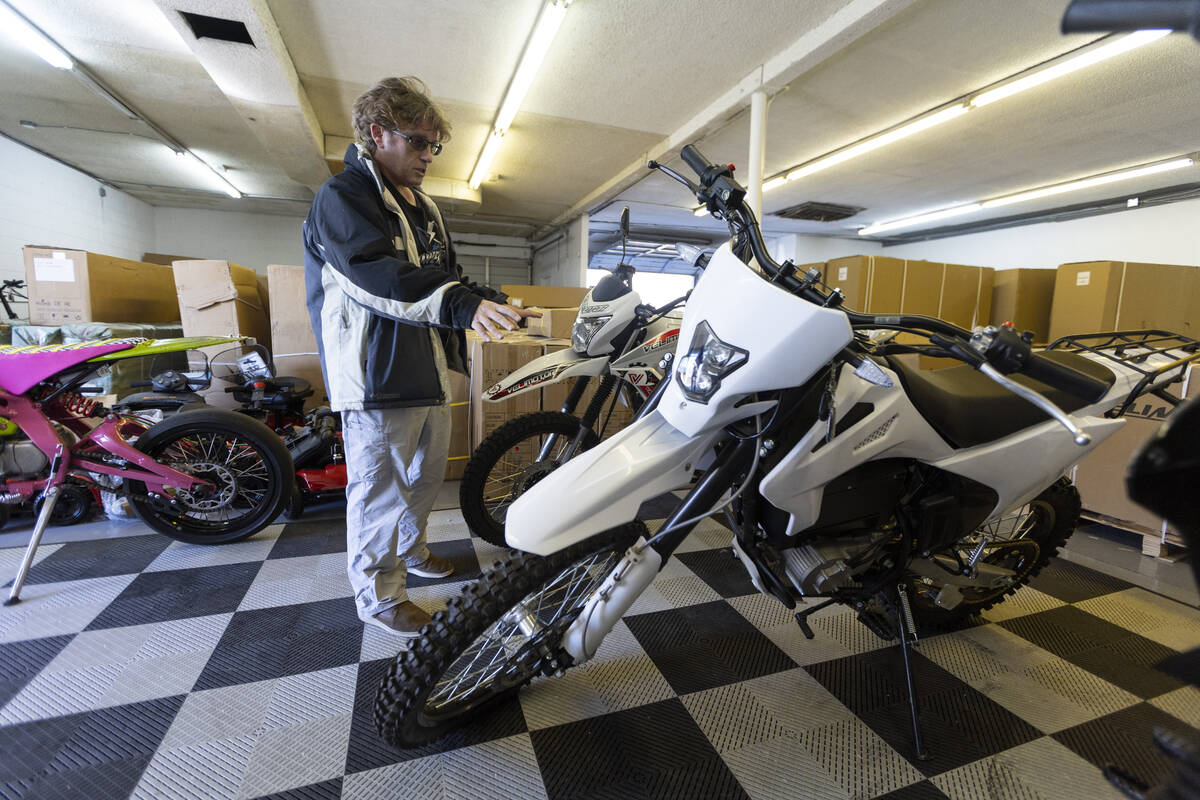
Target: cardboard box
{"type": "Point", "coordinates": [490, 362]}
{"type": "Point", "coordinates": [78, 286]}
{"type": "Point", "coordinates": [1100, 477]}
{"type": "Point", "coordinates": [922, 290]}
{"type": "Point", "coordinates": [217, 298]}
{"type": "Point", "coordinates": [164, 259]}
{"type": "Point", "coordinates": [871, 284]}
{"type": "Point", "coordinates": [460, 425]}
{"type": "Point", "coordinates": [966, 295]}
{"type": "Point", "coordinates": [1097, 296]}
{"type": "Point", "coordinates": [295, 344]}
{"type": "Point", "coordinates": [545, 296]}
{"type": "Point", "coordinates": [555, 323]}
{"type": "Point", "coordinates": [1023, 297]}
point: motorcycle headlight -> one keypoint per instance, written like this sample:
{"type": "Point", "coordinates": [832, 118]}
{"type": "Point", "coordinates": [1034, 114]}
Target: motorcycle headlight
{"type": "Point", "coordinates": [584, 329]}
{"type": "Point", "coordinates": [707, 361]}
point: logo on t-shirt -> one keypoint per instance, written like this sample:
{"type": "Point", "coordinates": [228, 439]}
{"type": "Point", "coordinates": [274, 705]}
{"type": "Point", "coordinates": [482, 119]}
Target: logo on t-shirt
{"type": "Point", "coordinates": [430, 245]}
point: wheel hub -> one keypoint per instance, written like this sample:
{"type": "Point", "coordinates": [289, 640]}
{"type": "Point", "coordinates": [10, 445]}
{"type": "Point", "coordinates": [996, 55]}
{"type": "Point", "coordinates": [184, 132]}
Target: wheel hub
{"type": "Point", "coordinates": [532, 474]}
{"type": "Point", "coordinates": [208, 498]}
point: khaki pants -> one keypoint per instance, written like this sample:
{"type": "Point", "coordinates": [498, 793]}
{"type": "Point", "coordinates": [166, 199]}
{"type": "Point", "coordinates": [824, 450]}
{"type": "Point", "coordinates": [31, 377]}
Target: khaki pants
{"type": "Point", "coordinates": [395, 463]}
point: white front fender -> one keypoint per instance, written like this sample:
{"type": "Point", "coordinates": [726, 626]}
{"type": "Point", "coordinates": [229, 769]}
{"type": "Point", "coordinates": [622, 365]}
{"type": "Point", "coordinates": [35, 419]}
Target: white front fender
{"type": "Point", "coordinates": [542, 372]}
{"type": "Point", "coordinates": [605, 486]}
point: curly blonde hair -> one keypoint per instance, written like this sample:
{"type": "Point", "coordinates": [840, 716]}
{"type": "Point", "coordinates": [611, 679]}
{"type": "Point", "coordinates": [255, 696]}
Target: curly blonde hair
{"type": "Point", "coordinates": [397, 103]}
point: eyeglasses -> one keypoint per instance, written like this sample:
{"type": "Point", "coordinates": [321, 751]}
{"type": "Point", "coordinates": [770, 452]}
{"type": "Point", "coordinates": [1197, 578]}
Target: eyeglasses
{"type": "Point", "coordinates": [419, 143]}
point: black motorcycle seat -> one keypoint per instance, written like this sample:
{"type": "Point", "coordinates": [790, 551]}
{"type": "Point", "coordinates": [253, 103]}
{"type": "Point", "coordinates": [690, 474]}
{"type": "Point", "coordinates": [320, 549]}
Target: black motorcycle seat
{"type": "Point", "coordinates": [968, 408]}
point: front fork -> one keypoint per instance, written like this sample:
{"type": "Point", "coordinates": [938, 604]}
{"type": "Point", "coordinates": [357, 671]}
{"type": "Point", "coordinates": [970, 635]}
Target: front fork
{"type": "Point", "coordinates": [634, 573]}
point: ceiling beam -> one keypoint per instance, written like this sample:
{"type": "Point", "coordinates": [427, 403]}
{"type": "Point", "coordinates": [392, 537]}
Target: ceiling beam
{"type": "Point", "coordinates": [260, 81]}
{"type": "Point", "coordinates": [852, 21]}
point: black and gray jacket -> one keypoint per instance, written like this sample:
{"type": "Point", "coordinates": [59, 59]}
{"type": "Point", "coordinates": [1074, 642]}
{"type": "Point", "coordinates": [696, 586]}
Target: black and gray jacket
{"type": "Point", "coordinates": [372, 303]}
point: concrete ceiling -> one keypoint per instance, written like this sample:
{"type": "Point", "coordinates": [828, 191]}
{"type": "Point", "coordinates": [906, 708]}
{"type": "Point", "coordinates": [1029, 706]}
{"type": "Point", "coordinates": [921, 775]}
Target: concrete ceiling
{"type": "Point", "coordinates": [625, 80]}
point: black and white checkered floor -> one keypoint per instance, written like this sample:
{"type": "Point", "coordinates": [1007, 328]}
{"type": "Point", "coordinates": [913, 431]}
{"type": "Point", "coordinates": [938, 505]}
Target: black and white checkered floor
{"type": "Point", "coordinates": [141, 667]}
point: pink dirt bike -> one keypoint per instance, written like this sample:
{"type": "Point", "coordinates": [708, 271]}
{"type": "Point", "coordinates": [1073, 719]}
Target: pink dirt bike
{"type": "Point", "coordinates": [205, 476]}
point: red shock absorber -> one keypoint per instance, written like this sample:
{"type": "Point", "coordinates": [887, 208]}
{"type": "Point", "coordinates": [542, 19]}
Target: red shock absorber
{"type": "Point", "coordinates": [76, 404]}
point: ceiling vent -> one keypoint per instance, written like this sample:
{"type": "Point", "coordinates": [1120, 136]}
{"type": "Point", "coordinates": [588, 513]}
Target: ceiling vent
{"type": "Point", "coordinates": [225, 30]}
{"type": "Point", "coordinates": [818, 212]}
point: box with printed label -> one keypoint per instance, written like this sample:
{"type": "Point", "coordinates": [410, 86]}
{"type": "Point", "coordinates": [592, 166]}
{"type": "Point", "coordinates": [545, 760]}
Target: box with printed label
{"type": "Point", "coordinates": [490, 363]}
{"type": "Point", "coordinates": [1098, 296]}
{"type": "Point", "coordinates": [77, 286]}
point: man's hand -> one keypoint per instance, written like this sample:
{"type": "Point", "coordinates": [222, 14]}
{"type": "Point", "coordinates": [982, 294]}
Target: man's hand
{"type": "Point", "coordinates": [491, 319]}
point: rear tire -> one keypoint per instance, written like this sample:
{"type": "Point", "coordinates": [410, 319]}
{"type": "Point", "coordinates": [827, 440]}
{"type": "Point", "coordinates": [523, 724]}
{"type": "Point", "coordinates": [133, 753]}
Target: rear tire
{"type": "Point", "coordinates": [1048, 520]}
{"type": "Point", "coordinates": [430, 689]}
{"type": "Point", "coordinates": [250, 469]}
{"type": "Point", "coordinates": [502, 468]}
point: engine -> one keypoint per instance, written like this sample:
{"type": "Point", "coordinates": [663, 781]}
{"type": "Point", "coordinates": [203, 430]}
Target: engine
{"type": "Point", "coordinates": [21, 459]}
{"type": "Point", "coordinates": [823, 566]}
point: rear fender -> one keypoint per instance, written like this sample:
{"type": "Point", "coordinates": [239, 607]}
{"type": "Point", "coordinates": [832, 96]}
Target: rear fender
{"type": "Point", "coordinates": [541, 372]}
{"type": "Point", "coordinates": [605, 486]}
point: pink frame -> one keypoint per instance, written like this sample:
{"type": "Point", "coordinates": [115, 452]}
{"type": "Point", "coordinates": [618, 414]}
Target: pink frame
{"type": "Point", "coordinates": [29, 416]}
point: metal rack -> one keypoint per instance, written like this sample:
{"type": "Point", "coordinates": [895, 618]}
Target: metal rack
{"type": "Point", "coordinates": [1131, 349]}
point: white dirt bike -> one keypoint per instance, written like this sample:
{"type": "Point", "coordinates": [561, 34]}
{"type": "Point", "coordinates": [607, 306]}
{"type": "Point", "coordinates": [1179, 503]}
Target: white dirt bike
{"type": "Point", "coordinates": [617, 343]}
{"type": "Point", "coordinates": [849, 476]}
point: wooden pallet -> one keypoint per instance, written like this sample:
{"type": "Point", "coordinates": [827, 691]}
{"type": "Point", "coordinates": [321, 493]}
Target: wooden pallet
{"type": "Point", "coordinates": [1161, 543]}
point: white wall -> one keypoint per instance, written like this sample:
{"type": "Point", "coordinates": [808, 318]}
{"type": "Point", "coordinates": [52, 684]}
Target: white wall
{"type": "Point", "coordinates": [252, 240]}
{"type": "Point", "coordinates": [803, 249]}
{"type": "Point", "coordinates": [43, 202]}
{"type": "Point", "coordinates": [1167, 234]}
{"type": "Point", "coordinates": [564, 263]}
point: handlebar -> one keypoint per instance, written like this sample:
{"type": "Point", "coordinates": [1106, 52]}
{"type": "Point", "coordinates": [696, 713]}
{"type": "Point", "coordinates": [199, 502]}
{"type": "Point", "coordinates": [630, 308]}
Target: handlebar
{"type": "Point", "coordinates": [1060, 376]}
{"type": "Point", "coordinates": [1108, 16]}
{"type": "Point", "coordinates": [994, 351]}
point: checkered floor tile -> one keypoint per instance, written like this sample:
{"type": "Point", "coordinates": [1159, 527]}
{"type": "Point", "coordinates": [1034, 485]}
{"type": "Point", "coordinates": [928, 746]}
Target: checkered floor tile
{"type": "Point", "coordinates": [140, 667]}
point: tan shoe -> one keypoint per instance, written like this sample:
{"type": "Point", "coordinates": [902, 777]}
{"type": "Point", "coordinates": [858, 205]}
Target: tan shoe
{"type": "Point", "coordinates": [406, 619]}
{"type": "Point", "coordinates": [431, 567]}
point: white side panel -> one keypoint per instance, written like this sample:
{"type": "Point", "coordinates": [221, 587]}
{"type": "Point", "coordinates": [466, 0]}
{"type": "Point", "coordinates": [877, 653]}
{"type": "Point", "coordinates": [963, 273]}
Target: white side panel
{"type": "Point", "coordinates": [788, 340]}
{"type": "Point", "coordinates": [894, 429]}
{"type": "Point", "coordinates": [605, 486]}
{"type": "Point", "coordinates": [543, 371]}
{"type": "Point", "coordinates": [1018, 467]}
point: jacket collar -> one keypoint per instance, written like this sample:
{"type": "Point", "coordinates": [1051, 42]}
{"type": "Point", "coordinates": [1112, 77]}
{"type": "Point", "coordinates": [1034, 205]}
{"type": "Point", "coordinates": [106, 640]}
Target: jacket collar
{"type": "Point", "coordinates": [359, 160]}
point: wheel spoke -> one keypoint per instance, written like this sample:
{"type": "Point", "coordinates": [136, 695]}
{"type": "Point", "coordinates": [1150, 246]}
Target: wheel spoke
{"type": "Point", "coordinates": [500, 646]}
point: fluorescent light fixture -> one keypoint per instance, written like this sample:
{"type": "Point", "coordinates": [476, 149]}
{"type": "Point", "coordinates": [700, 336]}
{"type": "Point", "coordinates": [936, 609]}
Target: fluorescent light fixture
{"type": "Point", "coordinates": [544, 30]}
{"type": "Point", "coordinates": [1087, 183]}
{"type": "Point", "coordinates": [932, 216]}
{"type": "Point", "coordinates": [32, 37]}
{"type": "Point", "coordinates": [700, 211]}
{"type": "Point", "coordinates": [875, 142]}
{"type": "Point", "coordinates": [196, 161]}
{"type": "Point", "coordinates": [490, 148]}
{"type": "Point", "coordinates": [774, 183]}
{"type": "Point", "coordinates": [531, 60]}
{"type": "Point", "coordinates": [1032, 194]}
{"type": "Point", "coordinates": [1066, 66]}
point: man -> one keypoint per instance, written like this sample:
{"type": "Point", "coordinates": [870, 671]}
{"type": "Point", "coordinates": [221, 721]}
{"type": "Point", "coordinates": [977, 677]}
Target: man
{"type": "Point", "coordinates": [388, 302]}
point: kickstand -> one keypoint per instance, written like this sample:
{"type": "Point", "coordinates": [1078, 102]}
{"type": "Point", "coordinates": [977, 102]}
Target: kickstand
{"type": "Point", "coordinates": [904, 624]}
{"type": "Point", "coordinates": [802, 618]}
{"type": "Point", "coordinates": [49, 498]}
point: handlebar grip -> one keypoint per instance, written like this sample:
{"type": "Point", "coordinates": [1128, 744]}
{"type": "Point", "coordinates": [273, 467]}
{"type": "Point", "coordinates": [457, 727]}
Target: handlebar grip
{"type": "Point", "coordinates": [1066, 378]}
{"type": "Point", "coordinates": [1105, 16]}
{"type": "Point", "coordinates": [140, 384]}
{"type": "Point", "coordinates": [694, 159]}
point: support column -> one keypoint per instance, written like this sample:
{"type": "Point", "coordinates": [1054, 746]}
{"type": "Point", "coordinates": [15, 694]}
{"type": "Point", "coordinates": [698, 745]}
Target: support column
{"type": "Point", "coordinates": [758, 142]}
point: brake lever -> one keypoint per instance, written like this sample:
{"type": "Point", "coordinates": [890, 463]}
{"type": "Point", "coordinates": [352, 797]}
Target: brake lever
{"type": "Point", "coordinates": [1063, 418]}
{"type": "Point", "coordinates": [694, 188]}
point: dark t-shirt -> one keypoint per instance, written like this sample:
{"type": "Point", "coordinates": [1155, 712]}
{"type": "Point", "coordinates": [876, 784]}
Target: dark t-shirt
{"type": "Point", "coordinates": [429, 239]}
